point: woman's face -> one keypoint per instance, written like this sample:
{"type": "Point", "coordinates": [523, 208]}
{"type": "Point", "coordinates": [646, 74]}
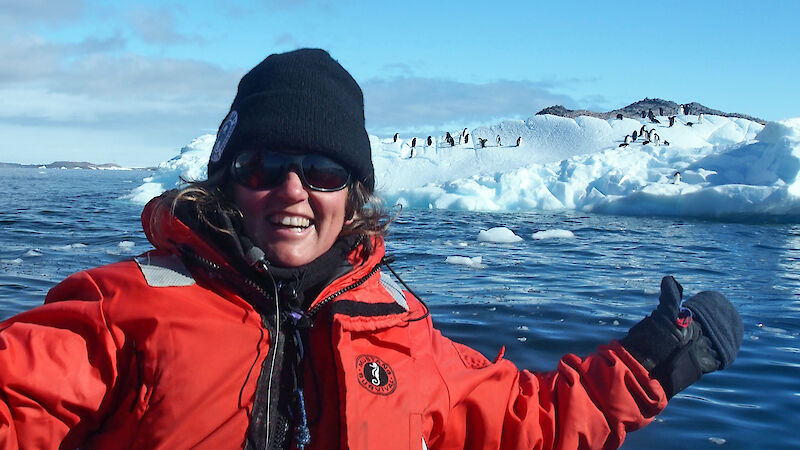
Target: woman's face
{"type": "Point", "coordinates": [292, 223]}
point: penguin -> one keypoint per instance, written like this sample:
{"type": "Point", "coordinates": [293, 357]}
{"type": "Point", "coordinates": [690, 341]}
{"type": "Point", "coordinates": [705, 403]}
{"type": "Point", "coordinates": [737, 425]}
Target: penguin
{"type": "Point", "coordinates": [682, 110]}
{"type": "Point", "coordinates": [642, 130]}
{"type": "Point", "coordinates": [451, 141]}
{"type": "Point", "coordinates": [498, 141]}
{"type": "Point", "coordinates": [676, 178]}
{"type": "Point", "coordinates": [660, 111]}
{"type": "Point", "coordinates": [666, 142]}
{"type": "Point", "coordinates": [429, 141]}
{"type": "Point", "coordinates": [656, 138]}
{"type": "Point", "coordinates": [671, 120]}
{"type": "Point", "coordinates": [650, 114]}
{"type": "Point", "coordinates": [627, 136]}
{"type": "Point", "coordinates": [447, 137]}
{"type": "Point", "coordinates": [466, 138]}
{"type": "Point", "coordinates": [519, 141]}
{"type": "Point", "coordinates": [634, 136]}
{"type": "Point", "coordinates": [482, 141]}
{"type": "Point", "coordinates": [463, 138]}
{"type": "Point", "coordinates": [644, 114]}
{"type": "Point", "coordinates": [700, 118]}
{"type": "Point", "coordinates": [395, 137]}
{"type": "Point", "coordinates": [413, 143]}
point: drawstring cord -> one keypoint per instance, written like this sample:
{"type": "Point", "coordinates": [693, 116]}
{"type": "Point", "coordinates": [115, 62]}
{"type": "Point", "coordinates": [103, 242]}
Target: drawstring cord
{"type": "Point", "coordinates": [302, 433]}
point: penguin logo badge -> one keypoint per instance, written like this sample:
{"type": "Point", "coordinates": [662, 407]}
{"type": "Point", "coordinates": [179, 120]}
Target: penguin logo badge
{"type": "Point", "coordinates": [224, 135]}
{"type": "Point", "coordinates": [375, 375]}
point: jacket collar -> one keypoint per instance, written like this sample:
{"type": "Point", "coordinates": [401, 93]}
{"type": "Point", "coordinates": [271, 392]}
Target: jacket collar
{"type": "Point", "coordinates": [361, 299]}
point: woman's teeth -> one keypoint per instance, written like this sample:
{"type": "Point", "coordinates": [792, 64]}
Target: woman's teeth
{"type": "Point", "coordinates": [291, 221]}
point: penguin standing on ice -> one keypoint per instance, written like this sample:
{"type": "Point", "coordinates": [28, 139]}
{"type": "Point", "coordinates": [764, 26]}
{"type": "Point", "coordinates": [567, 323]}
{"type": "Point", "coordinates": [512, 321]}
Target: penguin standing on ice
{"type": "Point", "coordinates": [395, 137]}
{"type": "Point", "coordinates": [682, 110]}
{"type": "Point", "coordinates": [429, 141]}
{"type": "Point", "coordinates": [671, 120]}
{"type": "Point", "coordinates": [619, 116]}
{"type": "Point", "coordinates": [625, 141]}
{"type": "Point", "coordinates": [413, 147]}
{"type": "Point", "coordinates": [519, 141]}
{"type": "Point", "coordinates": [642, 130]}
{"type": "Point", "coordinates": [676, 178]}
{"type": "Point", "coordinates": [449, 139]}
{"type": "Point", "coordinates": [700, 118]}
{"type": "Point", "coordinates": [466, 138]}
{"type": "Point", "coordinates": [482, 142]}
{"type": "Point", "coordinates": [463, 137]}
{"type": "Point", "coordinates": [634, 136]}
{"type": "Point", "coordinates": [498, 141]}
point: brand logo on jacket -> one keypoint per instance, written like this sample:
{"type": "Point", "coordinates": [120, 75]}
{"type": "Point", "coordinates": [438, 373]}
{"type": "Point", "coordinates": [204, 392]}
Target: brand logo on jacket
{"type": "Point", "coordinates": [375, 375]}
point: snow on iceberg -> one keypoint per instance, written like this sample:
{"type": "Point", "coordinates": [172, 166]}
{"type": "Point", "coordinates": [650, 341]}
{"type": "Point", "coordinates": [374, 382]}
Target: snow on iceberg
{"type": "Point", "coordinates": [729, 167]}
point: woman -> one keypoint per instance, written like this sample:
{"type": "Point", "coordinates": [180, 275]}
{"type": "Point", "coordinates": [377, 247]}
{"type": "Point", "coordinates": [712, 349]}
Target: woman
{"type": "Point", "coordinates": [263, 320]}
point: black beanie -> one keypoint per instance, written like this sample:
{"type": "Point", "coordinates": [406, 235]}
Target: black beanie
{"type": "Point", "coordinates": [300, 100]}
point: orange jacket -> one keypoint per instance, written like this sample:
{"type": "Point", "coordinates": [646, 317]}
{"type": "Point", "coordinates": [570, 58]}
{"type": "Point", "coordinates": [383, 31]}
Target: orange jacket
{"type": "Point", "coordinates": [146, 354]}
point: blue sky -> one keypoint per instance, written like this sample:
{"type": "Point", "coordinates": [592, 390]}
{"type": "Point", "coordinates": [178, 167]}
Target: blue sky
{"type": "Point", "coordinates": [131, 82]}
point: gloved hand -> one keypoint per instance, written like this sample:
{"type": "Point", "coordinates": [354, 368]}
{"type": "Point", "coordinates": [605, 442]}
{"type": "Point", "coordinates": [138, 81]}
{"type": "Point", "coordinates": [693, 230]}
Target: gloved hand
{"type": "Point", "coordinates": [678, 345]}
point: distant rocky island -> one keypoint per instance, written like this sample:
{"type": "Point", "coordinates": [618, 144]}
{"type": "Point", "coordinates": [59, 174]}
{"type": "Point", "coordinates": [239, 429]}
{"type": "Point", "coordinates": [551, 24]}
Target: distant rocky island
{"type": "Point", "coordinates": [640, 109]}
{"type": "Point", "coordinates": [66, 165]}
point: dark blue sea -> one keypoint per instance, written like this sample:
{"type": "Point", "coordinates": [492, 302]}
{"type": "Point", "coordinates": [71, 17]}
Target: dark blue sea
{"type": "Point", "coordinates": [538, 298]}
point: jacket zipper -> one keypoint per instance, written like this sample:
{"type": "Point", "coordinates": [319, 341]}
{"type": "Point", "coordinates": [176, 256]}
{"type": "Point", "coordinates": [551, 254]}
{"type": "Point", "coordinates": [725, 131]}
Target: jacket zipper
{"type": "Point", "coordinates": [313, 311]}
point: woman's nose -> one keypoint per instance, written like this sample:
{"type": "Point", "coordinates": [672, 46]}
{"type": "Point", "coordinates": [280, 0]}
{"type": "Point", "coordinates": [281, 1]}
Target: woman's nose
{"type": "Point", "coordinates": [292, 186]}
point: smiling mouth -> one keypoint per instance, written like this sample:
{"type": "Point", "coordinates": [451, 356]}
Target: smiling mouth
{"type": "Point", "coordinates": [299, 223]}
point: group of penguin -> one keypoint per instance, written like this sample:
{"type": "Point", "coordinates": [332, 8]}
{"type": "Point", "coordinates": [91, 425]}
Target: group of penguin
{"type": "Point", "coordinates": [650, 136]}
{"type": "Point", "coordinates": [462, 139]}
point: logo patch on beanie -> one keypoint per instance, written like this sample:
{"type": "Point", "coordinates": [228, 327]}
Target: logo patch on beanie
{"type": "Point", "coordinates": [224, 135]}
{"type": "Point", "coordinates": [375, 375]}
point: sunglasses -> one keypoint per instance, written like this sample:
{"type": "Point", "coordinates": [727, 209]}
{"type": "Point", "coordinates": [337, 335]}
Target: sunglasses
{"type": "Point", "coordinates": [267, 169]}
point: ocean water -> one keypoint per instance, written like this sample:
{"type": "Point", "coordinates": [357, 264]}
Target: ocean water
{"type": "Point", "coordinates": [538, 298]}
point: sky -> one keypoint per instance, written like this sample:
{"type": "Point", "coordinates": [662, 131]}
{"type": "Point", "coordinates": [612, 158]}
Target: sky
{"type": "Point", "coordinates": [132, 82]}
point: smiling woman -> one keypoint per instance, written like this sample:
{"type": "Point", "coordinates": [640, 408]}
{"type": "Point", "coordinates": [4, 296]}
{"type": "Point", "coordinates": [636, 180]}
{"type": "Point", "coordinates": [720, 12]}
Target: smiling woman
{"type": "Point", "coordinates": [262, 319]}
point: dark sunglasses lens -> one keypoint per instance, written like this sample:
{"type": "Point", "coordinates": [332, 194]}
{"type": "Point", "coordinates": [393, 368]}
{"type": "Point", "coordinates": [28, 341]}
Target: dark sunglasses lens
{"type": "Point", "coordinates": [258, 170]}
{"type": "Point", "coordinates": [324, 173]}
